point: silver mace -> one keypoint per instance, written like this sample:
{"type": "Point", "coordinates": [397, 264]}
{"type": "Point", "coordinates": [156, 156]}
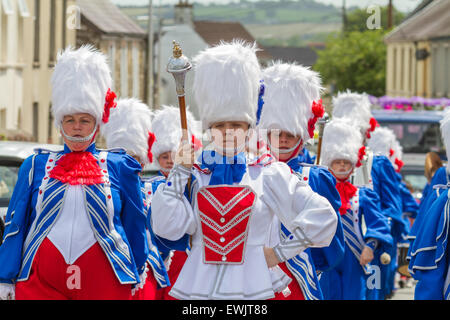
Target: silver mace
{"type": "Point", "coordinates": [178, 66]}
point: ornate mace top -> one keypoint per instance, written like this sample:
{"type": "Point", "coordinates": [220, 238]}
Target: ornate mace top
{"type": "Point", "coordinates": [178, 66]}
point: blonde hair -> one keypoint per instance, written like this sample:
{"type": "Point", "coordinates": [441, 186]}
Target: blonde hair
{"type": "Point", "coordinates": [432, 163]}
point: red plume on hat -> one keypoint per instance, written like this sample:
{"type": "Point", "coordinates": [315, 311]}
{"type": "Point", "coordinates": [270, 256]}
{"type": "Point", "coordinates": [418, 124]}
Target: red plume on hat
{"type": "Point", "coordinates": [151, 140]}
{"type": "Point", "coordinates": [109, 104]}
{"type": "Point", "coordinates": [318, 112]}
{"type": "Point", "coordinates": [361, 154]}
{"type": "Point", "coordinates": [373, 125]}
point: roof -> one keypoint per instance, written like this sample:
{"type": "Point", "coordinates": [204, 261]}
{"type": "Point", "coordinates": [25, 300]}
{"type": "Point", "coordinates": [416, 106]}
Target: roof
{"type": "Point", "coordinates": [302, 55]}
{"type": "Point", "coordinates": [409, 116]}
{"type": "Point", "coordinates": [107, 18]}
{"type": "Point", "coordinates": [213, 32]}
{"type": "Point", "coordinates": [431, 22]}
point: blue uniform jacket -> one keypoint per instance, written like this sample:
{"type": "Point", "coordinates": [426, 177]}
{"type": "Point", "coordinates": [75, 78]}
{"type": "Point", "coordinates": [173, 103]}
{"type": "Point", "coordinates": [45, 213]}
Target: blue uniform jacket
{"type": "Point", "coordinates": [120, 232]}
{"type": "Point", "coordinates": [429, 263]}
{"type": "Point", "coordinates": [386, 186]}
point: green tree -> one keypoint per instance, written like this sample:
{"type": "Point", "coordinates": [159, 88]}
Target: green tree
{"type": "Point", "coordinates": [354, 60]}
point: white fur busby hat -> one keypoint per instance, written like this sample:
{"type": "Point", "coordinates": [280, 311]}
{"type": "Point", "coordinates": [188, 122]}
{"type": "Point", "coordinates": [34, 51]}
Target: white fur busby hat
{"type": "Point", "coordinates": [81, 83]}
{"type": "Point", "coordinates": [227, 82]}
{"type": "Point", "coordinates": [355, 106]}
{"type": "Point", "coordinates": [445, 132]}
{"type": "Point", "coordinates": [341, 141]}
{"type": "Point", "coordinates": [382, 141]}
{"type": "Point", "coordinates": [167, 129]}
{"type": "Point", "coordinates": [130, 127]}
{"type": "Point", "coordinates": [291, 99]}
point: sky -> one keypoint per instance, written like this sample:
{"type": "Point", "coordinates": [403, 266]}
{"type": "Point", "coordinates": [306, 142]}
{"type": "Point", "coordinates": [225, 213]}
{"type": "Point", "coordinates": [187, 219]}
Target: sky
{"type": "Point", "coordinates": [402, 5]}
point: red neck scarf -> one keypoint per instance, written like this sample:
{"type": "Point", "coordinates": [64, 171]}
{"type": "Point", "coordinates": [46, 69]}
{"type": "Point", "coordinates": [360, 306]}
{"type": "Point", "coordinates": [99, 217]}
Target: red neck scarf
{"type": "Point", "coordinates": [77, 168]}
{"type": "Point", "coordinates": [346, 191]}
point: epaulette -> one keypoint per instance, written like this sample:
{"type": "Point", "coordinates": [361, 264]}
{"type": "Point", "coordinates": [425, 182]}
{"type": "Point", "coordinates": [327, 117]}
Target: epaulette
{"type": "Point", "coordinates": [45, 151]}
{"type": "Point", "coordinates": [441, 186]}
{"type": "Point", "coordinates": [312, 165]}
{"type": "Point", "coordinates": [152, 179]}
{"type": "Point", "coordinates": [115, 150]}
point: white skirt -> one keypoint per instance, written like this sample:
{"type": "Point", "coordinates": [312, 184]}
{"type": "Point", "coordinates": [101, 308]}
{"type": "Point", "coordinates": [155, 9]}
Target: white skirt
{"type": "Point", "coordinates": [252, 280]}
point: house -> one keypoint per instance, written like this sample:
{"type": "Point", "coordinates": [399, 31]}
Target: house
{"type": "Point", "coordinates": [193, 36]}
{"type": "Point", "coordinates": [418, 55]}
{"type": "Point", "coordinates": [31, 34]}
{"type": "Point", "coordinates": [121, 39]}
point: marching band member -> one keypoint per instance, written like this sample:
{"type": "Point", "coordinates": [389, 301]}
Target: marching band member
{"type": "Point", "coordinates": [356, 106]}
{"type": "Point", "coordinates": [410, 208]}
{"type": "Point", "coordinates": [129, 127]}
{"type": "Point", "coordinates": [291, 107]}
{"type": "Point", "coordinates": [429, 262]}
{"type": "Point", "coordinates": [75, 223]}
{"type": "Point", "coordinates": [166, 126]}
{"type": "Point", "coordinates": [343, 151]}
{"type": "Point", "coordinates": [385, 184]}
{"type": "Point", "coordinates": [234, 201]}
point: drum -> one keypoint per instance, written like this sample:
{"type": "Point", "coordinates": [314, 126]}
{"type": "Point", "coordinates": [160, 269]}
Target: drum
{"type": "Point", "coordinates": [403, 263]}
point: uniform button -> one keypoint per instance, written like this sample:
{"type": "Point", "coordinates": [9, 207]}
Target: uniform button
{"type": "Point", "coordinates": [222, 239]}
{"type": "Point", "coordinates": [109, 196]}
{"type": "Point", "coordinates": [224, 258]}
{"type": "Point", "coordinates": [222, 220]}
{"type": "Point", "coordinates": [169, 183]}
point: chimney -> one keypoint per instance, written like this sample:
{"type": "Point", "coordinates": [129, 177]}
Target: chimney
{"type": "Point", "coordinates": [184, 13]}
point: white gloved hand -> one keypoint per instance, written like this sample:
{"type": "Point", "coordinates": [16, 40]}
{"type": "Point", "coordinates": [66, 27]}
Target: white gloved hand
{"type": "Point", "coordinates": [7, 291]}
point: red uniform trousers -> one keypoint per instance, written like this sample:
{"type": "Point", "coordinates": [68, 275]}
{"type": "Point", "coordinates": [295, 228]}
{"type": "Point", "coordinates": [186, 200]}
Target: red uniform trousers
{"type": "Point", "coordinates": [91, 277]}
{"type": "Point", "coordinates": [178, 260]}
{"type": "Point", "coordinates": [296, 291]}
{"type": "Point", "coordinates": [148, 292]}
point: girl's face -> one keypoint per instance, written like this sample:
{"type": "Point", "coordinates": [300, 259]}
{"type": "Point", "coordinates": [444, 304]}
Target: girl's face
{"type": "Point", "coordinates": [79, 125]}
{"type": "Point", "coordinates": [229, 135]}
{"type": "Point", "coordinates": [341, 168]}
{"type": "Point", "coordinates": [165, 161]}
{"type": "Point", "coordinates": [282, 140]}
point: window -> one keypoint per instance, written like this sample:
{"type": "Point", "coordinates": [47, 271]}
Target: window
{"type": "Point", "coordinates": [51, 57]}
{"type": "Point", "coordinates": [124, 70]}
{"type": "Point", "coordinates": [3, 118]}
{"type": "Point", "coordinates": [417, 137]}
{"type": "Point", "coordinates": [64, 9]}
{"type": "Point", "coordinates": [135, 54]}
{"type": "Point", "coordinates": [3, 34]}
{"type": "Point", "coordinates": [7, 7]}
{"type": "Point", "coordinates": [23, 9]}
{"type": "Point", "coordinates": [112, 63]}
{"type": "Point", "coordinates": [50, 124]}
{"type": "Point", "coordinates": [36, 121]}
{"type": "Point", "coordinates": [37, 21]}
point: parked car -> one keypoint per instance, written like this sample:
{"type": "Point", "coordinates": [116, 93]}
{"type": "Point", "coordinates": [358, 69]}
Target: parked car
{"type": "Point", "coordinates": [418, 133]}
{"type": "Point", "coordinates": [12, 155]}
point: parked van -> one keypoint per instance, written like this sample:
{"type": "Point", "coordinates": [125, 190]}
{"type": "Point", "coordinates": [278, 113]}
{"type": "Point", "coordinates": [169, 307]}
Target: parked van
{"type": "Point", "coordinates": [418, 133]}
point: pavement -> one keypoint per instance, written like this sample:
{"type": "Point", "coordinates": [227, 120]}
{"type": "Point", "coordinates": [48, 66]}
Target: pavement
{"type": "Point", "coordinates": [406, 293]}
